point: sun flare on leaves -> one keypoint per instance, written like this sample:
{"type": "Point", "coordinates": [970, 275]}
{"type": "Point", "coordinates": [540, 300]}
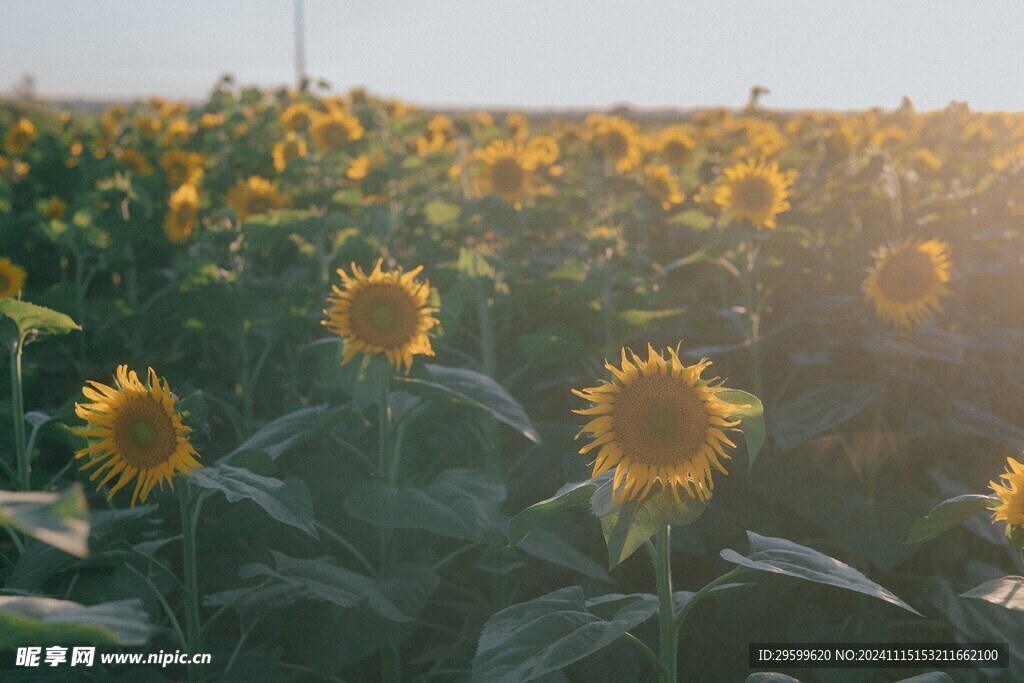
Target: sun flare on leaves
{"type": "Point", "coordinates": [382, 313]}
{"type": "Point", "coordinates": [755, 191]}
{"type": "Point", "coordinates": [908, 281]}
{"type": "Point", "coordinates": [135, 433]}
{"type": "Point", "coordinates": [658, 422]}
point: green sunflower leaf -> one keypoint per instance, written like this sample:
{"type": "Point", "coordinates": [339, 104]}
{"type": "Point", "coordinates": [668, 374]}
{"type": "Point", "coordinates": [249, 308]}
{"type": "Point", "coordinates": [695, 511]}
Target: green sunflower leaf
{"type": "Point", "coordinates": [476, 390]}
{"type": "Point", "coordinates": [818, 410]}
{"type": "Point", "coordinates": [566, 497]}
{"type": "Point", "coordinates": [751, 420]}
{"type": "Point", "coordinates": [322, 579]}
{"type": "Point", "coordinates": [57, 519]}
{"type": "Point", "coordinates": [948, 514]}
{"type": "Point", "coordinates": [779, 556]}
{"type": "Point", "coordinates": [32, 318]}
{"type": "Point", "coordinates": [628, 525]}
{"type": "Point", "coordinates": [32, 620]}
{"type": "Point", "coordinates": [526, 641]}
{"type": "Point", "coordinates": [286, 501]}
{"type": "Point", "coordinates": [459, 503]}
{"type": "Point", "coordinates": [281, 434]}
{"type": "Point", "coordinates": [1007, 592]}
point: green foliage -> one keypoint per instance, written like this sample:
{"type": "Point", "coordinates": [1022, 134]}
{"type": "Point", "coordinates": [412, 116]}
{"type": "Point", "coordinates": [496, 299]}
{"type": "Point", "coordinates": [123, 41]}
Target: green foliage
{"type": "Point", "coordinates": [779, 556]}
{"type": "Point", "coordinates": [31, 620]}
{"type": "Point", "coordinates": [948, 514]}
{"type": "Point", "coordinates": [1007, 592]}
{"type": "Point", "coordinates": [57, 519]}
{"type": "Point", "coordinates": [286, 501]}
{"type": "Point", "coordinates": [526, 641]}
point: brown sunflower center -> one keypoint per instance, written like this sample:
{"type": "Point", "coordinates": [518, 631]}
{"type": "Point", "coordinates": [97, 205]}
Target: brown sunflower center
{"type": "Point", "coordinates": [144, 433]}
{"type": "Point", "coordinates": [906, 276]}
{"type": "Point", "coordinates": [507, 175]}
{"type": "Point", "coordinates": [676, 151]}
{"type": "Point", "coordinates": [5, 282]}
{"type": "Point", "coordinates": [754, 193]}
{"type": "Point", "coordinates": [385, 315]}
{"type": "Point", "coordinates": [616, 144]}
{"type": "Point", "coordinates": [659, 421]}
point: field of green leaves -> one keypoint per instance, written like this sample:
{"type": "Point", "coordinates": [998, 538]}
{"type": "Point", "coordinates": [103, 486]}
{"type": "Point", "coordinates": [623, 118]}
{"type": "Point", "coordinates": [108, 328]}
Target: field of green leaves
{"type": "Point", "coordinates": [333, 388]}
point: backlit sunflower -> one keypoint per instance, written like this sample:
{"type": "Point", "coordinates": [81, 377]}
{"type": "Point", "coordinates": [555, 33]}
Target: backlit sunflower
{"type": "Point", "coordinates": [12, 278]}
{"type": "Point", "coordinates": [181, 218]}
{"type": "Point", "coordinates": [908, 281]}
{"type": "Point", "coordinates": [756, 191]}
{"type": "Point", "coordinates": [333, 130]}
{"type": "Point", "coordinates": [1011, 492]}
{"type": "Point", "coordinates": [658, 422]}
{"type": "Point", "coordinates": [135, 161]}
{"type": "Point", "coordinates": [661, 186]}
{"type": "Point", "coordinates": [19, 137]}
{"type": "Point", "coordinates": [135, 432]}
{"type": "Point", "coordinates": [383, 313]}
{"type": "Point", "coordinates": [255, 195]}
{"type": "Point", "coordinates": [296, 117]}
{"type": "Point", "coordinates": [508, 171]}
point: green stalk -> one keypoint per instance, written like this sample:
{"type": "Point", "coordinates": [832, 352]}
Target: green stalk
{"type": "Point", "coordinates": [18, 404]}
{"type": "Point", "coordinates": [666, 609]}
{"type": "Point", "coordinates": [193, 628]}
{"type": "Point", "coordinates": [390, 662]}
{"type": "Point", "coordinates": [489, 364]}
{"type": "Point", "coordinates": [754, 317]}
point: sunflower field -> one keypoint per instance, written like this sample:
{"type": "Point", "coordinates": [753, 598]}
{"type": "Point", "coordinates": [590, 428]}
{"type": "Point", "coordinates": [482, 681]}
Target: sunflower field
{"type": "Point", "coordinates": [317, 387]}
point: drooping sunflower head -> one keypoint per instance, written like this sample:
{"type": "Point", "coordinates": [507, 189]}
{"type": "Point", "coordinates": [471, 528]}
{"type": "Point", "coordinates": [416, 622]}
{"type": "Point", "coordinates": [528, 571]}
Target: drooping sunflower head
{"type": "Point", "coordinates": [382, 313]}
{"type": "Point", "coordinates": [181, 216]}
{"type": "Point", "coordinates": [1010, 490]}
{"type": "Point", "coordinates": [661, 186]}
{"type": "Point", "coordinates": [508, 170]}
{"type": "Point", "coordinates": [658, 422]}
{"type": "Point", "coordinates": [908, 281]}
{"type": "Point", "coordinates": [255, 195]}
{"type": "Point", "coordinates": [755, 191]}
{"type": "Point", "coordinates": [334, 129]}
{"type": "Point", "coordinates": [135, 432]}
{"type": "Point", "coordinates": [19, 137]}
{"type": "Point", "coordinates": [12, 278]}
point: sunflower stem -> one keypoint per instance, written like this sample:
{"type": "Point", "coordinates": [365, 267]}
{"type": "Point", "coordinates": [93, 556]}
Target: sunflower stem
{"type": "Point", "coordinates": [754, 316]}
{"type": "Point", "coordinates": [390, 663]}
{"type": "Point", "coordinates": [193, 628]}
{"type": "Point", "coordinates": [666, 609]}
{"type": "Point", "coordinates": [18, 404]}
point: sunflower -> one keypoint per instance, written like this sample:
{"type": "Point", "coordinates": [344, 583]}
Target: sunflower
{"type": "Point", "coordinates": [53, 208]}
{"type": "Point", "coordinates": [619, 141]}
{"type": "Point", "coordinates": [12, 278]}
{"type": "Point", "coordinates": [181, 219]}
{"type": "Point", "coordinates": [658, 422]}
{"type": "Point", "coordinates": [756, 191]}
{"type": "Point", "coordinates": [661, 186]}
{"type": "Point", "coordinates": [135, 432]}
{"type": "Point", "coordinates": [908, 280]}
{"type": "Point", "coordinates": [334, 129]}
{"type": "Point", "coordinates": [1011, 493]}
{"type": "Point", "coordinates": [135, 161]}
{"type": "Point", "coordinates": [296, 117]}
{"type": "Point", "coordinates": [675, 145]}
{"type": "Point", "coordinates": [508, 171]}
{"type": "Point", "coordinates": [148, 126]}
{"type": "Point", "coordinates": [182, 167]}
{"type": "Point", "coordinates": [255, 195]}
{"type": "Point", "coordinates": [386, 313]}
{"type": "Point", "coordinates": [19, 137]}
{"type": "Point", "coordinates": [178, 132]}
{"type": "Point", "coordinates": [292, 147]}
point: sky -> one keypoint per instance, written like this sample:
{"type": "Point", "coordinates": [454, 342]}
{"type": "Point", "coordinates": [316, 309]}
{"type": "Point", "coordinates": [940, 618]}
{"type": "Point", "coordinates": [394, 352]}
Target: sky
{"type": "Point", "coordinates": [532, 53]}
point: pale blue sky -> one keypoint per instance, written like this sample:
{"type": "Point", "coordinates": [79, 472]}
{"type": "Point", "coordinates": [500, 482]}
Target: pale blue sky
{"type": "Point", "coordinates": [533, 53]}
